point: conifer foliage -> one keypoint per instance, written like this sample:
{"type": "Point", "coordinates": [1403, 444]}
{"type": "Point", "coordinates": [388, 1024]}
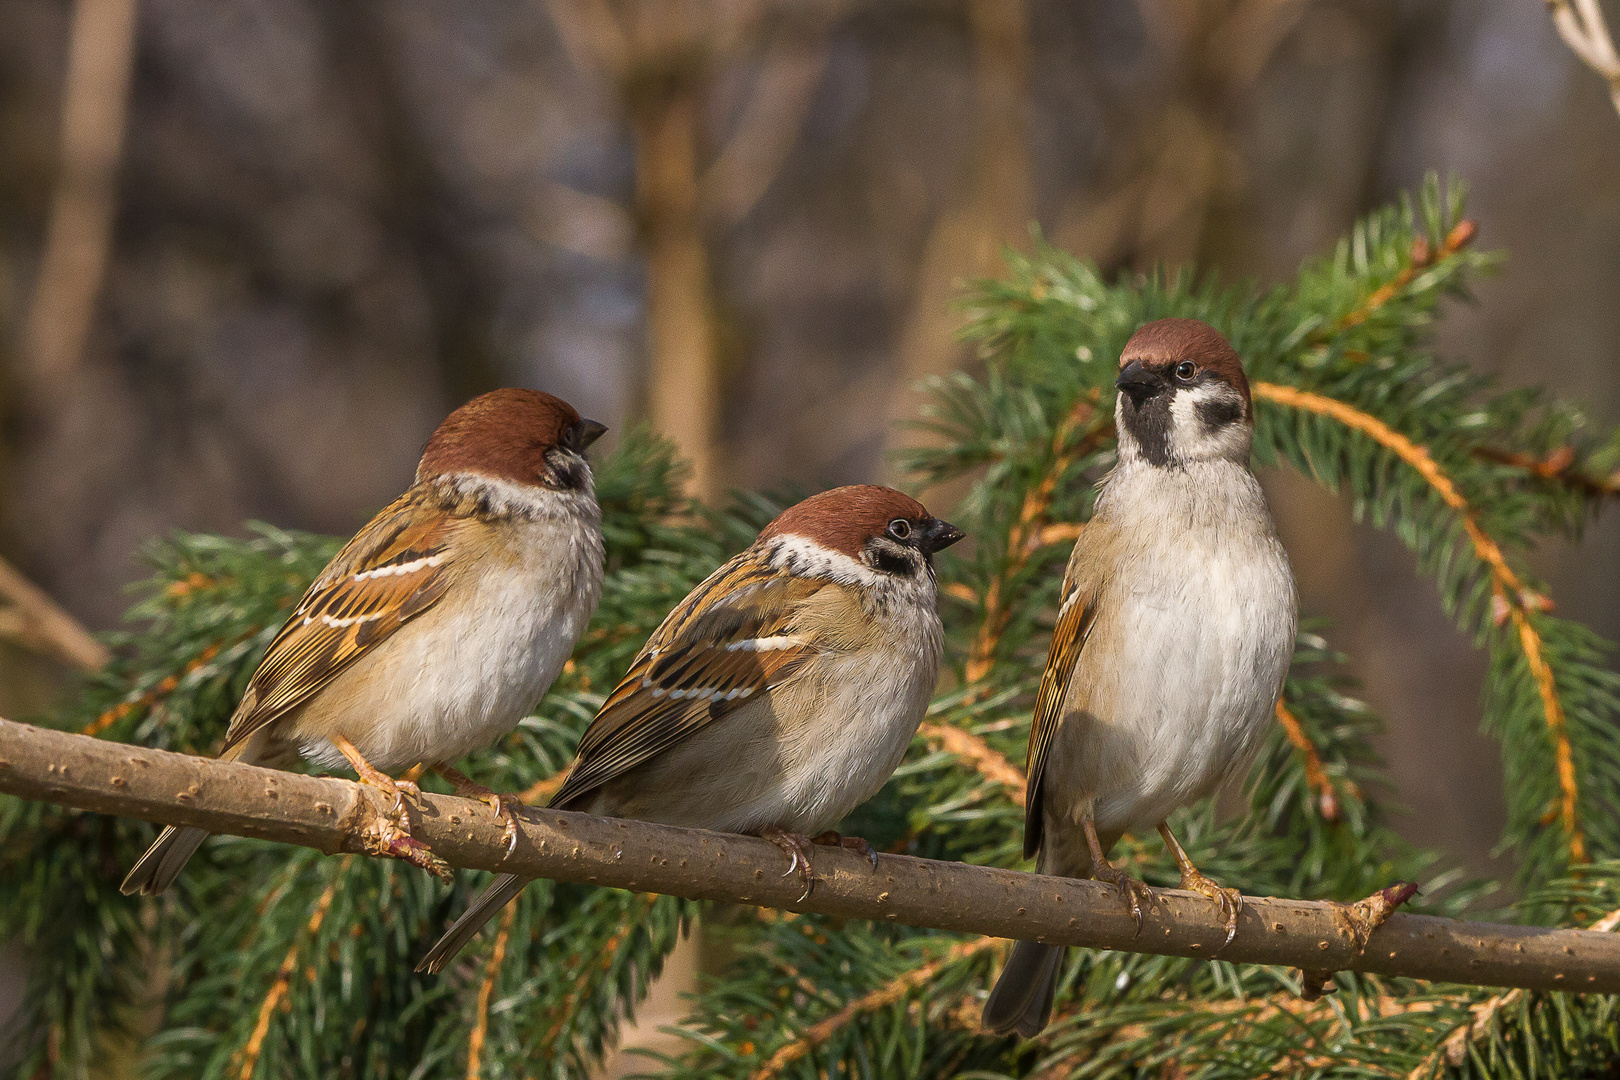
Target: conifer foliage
{"type": "Point", "coordinates": [272, 961]}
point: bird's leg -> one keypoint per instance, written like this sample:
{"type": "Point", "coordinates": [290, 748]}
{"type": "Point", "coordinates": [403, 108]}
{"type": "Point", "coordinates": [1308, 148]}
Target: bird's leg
{"type": "Point", "coordinates": [370, 774]}
{"type": "Point", "coordinates": [504, 805]}
{"type": "Point", "coordinates": [832, 838]}
{"type": "Point", "coordinates": [394, 837]}
{"type": "Point", "coordinates": [1130, 888]}
{"type": "Point", "coordinates": [797, 846]}
{"type": "Point", "coordinates": [1230, 900]}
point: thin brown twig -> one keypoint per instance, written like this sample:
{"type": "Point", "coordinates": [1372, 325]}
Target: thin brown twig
{"type": "Point", "coordinates": [1511, 599]}
{"type": "Point", "coordinates": [1557, 465]}
{"type": "Point", "coordinates": [38, 622]}
{"type": "Point", "coordinates": [818, 1033]}
{"type": "Point", "coordinates": [974, 751]}
{"type": "Point", "coordinates": [1423, 256]}
{"type": "Point", "coordinates": [1454, 1047]}
{"type": "Point", "coordinates": [278, 988]}
{"type": "Point", "coordinates": [492, 968]}
{"type": "Point", "coordinates": [1315, 774]}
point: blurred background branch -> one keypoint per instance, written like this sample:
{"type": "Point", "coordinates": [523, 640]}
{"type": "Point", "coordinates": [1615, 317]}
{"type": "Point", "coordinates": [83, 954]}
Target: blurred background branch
{"type": "Point", "coordinates": [1582, 26]}
{"type": "Point", "coordinates": [78, 234]}
{"type": "Point", "coordinates": [29, 616]}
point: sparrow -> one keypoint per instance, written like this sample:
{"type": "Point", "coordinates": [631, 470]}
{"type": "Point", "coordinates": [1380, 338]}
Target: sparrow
{"type": "Point", "coordinates": [777, 697]}
{"type": "Point", "coordinates": [1175, 628]}
{"type": "Point", "coordinates": [439, 626]}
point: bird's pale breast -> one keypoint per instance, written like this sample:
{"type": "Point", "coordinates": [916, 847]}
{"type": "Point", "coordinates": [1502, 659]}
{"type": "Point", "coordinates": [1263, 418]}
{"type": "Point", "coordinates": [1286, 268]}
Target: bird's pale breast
{"type": "Point", "coordinates": [1175, 688]}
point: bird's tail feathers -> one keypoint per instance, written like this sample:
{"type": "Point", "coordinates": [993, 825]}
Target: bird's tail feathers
{"type": "Point", "coordinates": [497, 895]}
{"type": "Point", "coordinates": [1022, 998]}
{"type": "Point", "coordinates": [175, 845]}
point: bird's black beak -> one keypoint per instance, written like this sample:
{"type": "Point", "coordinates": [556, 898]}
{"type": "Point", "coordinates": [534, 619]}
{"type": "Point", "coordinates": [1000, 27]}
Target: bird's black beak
{"type": "Point", "coordinates": [1138, 383]}
{"type": "Point", "coordinates": [938, 535]}
{"type": "Point", "coordinates": [589, 432]}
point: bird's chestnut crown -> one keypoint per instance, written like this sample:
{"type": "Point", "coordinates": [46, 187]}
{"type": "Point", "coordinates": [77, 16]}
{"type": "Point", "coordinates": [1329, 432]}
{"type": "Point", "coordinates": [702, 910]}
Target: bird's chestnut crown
{"type": "Point", "coordinates": [522, 436]}
{"type": "Point", "coordinates": [887, 530]}
{"type": "Point", "coordinates": [1183, 396]}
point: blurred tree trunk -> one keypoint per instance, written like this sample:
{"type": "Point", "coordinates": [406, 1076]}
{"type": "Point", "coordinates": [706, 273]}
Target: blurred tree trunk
{"type": "Point", "coordinates": [996, 208]}
{"type": "Point", "coordinates": [78, 235]}
{"type": "Point", "coordinates": [683, 384]}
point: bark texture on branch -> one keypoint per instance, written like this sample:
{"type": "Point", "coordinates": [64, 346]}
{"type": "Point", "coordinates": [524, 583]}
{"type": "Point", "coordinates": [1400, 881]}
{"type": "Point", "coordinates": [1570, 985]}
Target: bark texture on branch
{"type": "Point", "coordinates": [334, 815]}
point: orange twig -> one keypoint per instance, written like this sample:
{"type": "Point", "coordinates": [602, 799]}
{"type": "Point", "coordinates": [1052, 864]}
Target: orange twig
{"type": "Point", "coordinates": [1315, 775]}
{"type": "Point", "coordinates": [977, 753]}
{"type": "Point", "coordinates": [817, 1034]}
{"type": "Point", "coordinates": [492, 968]}
{"type": "Point", "coordinates": [543, 788]}
{"type": "Point", "coordinates": [1423, 257]}
{"type": "Point", "coordinates": [163, 689]}
{"type": "Point", "coordinates": [1555, 466]}
{"type": "Point", "coordinates": [1512, 599]}
{"type": "Point", "coordinates": [1454, 1047]}
{"type": "Point", "coordinates": [1031, 532]}
{"type": "Point", "coordinates": [278, 988]}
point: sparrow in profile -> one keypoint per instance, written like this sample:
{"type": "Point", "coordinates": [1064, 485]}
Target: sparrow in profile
{"type": "Point", "coordinates": [778, 696]}
{"type": "Point", "coordinates": [1174, 633]}
{"type": "Point", "coordinates": [439, 626]}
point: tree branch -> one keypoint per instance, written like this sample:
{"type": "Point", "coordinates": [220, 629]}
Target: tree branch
{"type": "Point", "coordinates": [1584, 30]}
{"type": "Point", "coordinates": [334, 815]}
{"type": "Point", "coordinates": [33, 618]}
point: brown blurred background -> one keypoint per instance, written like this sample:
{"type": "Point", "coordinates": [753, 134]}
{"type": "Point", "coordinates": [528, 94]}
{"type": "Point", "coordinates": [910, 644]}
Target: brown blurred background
{"type": "Point", "coordinates": [251, 251]}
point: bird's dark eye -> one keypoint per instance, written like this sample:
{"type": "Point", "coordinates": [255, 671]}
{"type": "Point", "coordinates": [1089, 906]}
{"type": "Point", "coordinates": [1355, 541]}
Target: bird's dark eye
{"type": "Point", "coordinates": [900, 528]}
{"type": "Point", "coordinates": [1186, 370]}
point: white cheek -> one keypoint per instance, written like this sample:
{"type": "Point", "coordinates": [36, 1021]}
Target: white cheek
{"type": "Point", "coordinates": [1193, 440]}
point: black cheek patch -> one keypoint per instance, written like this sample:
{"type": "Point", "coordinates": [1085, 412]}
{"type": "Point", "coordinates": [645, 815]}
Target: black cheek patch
{"type": "Point", "coordinates": [1219, 412]}
{"type": "Point", "coordinates": [890, 562]}
{"type": "Point", "coordinates": [1150, 424]}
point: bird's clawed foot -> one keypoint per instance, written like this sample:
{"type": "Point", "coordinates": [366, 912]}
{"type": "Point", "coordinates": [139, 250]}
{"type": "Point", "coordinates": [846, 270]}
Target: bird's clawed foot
{"type": "Point", "coordinates": [797, 846]}
{"type": "Point", "coordinates": [397, 843]}
{"type": "Point", "coordinates": [1229, 900]}
{"type": "Point", "coordinates": [391, 835]}
{"type": "Point", "coordinates": [1134, 892]}
{"type": "Point", "coordinates": [506, 806]}
{"type": "Point", "coordinates": [832, 838]}
{"type": "Point", "coordinates": [372, 776]}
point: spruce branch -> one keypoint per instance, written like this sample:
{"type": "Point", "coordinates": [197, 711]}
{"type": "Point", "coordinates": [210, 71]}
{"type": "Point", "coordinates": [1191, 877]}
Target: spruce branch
{"type": "Point", "coordinates": [1454, 1047]}
{"type": "Point", "coordinates": [1510, 598]}
{"type": "Point", "coordinates": [971, 750]}
{"type": "Point", "coordinates": [486, 988]}
{"type": "Point", "coordinates": [284, 974]}
{"type": "Point", "coordinates": [1315, 775]}
{"type": "Point", "coordinates": [890, 993]}
{"type": "Point", "coordinates": [1031, 530]}
{"type": "Point", "coordinates": [333, 815]}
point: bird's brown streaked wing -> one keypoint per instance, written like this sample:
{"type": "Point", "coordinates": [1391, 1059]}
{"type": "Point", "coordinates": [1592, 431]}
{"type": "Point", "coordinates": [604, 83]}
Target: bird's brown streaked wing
{"type": "Point", "coordinates": [393, 570]}
{"type": "Point", "coordinates": [727, 644]}
{"type": "Point", "coordinates": [1077, 613]}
